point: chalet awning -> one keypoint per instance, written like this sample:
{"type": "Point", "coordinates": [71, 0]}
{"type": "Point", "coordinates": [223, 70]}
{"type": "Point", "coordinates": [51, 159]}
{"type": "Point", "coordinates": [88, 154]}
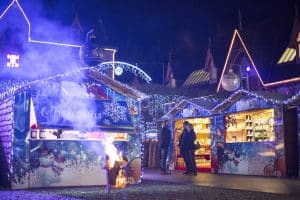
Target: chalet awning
{"type": "Point", "coordinates": [82, 114]}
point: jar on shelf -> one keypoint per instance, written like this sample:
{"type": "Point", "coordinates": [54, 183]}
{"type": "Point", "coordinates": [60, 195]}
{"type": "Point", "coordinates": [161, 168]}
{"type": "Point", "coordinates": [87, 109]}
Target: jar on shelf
{"type": "Point", "coordinates": [42, 134]}
{"type": "Point", "coordinates": [34, 133]}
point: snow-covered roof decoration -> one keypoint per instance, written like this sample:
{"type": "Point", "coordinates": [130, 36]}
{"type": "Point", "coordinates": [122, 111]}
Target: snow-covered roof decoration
{"type": "Point", "coordinates": [202, 103]}
{"type": "Point", "coordinates": [271, 97]}
{"type": "Point", "coordinates": [89, 72]}
{"type": "Point", "coordinates": [18, 5]}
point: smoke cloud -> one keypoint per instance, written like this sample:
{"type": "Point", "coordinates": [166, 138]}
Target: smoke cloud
{"type": "Point", "coordinates": [36, 60]}
{"type": "Point", "coordinates": [39, 61]}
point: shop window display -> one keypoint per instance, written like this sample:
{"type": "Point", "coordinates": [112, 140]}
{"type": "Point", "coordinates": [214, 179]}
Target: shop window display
{"type": "Point", "coordinates": [250, 126]}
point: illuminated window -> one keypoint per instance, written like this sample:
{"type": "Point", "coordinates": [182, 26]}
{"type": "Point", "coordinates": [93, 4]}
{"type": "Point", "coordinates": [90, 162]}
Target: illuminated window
{"type": "Point", "coordinates": [12, 60]}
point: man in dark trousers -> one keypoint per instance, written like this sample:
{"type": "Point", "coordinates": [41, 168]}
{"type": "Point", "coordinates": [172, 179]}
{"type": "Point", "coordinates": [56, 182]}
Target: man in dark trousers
{"type": "Point", "coordinates": [165, 139]}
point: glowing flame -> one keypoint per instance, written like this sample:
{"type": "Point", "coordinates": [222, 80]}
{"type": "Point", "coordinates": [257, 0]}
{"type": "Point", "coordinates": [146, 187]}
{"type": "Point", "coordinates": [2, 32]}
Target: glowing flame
{"type": "Point", "coordinates": [112, 153]}
{"type": "Point", "coordinates": [115, 165]}
{"type": "Point", "coordinates": [121, 180]}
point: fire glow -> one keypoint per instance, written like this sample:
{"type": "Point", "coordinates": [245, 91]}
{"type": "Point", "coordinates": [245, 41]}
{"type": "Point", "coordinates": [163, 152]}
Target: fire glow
{"type": "Point", "coordinates": [115, 165]}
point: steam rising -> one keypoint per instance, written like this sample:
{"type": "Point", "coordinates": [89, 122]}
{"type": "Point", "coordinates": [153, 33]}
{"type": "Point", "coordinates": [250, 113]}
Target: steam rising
{"type": "Point", "coordinates": [36, 60]}
{"type": "Point", "coordinates": [80, 112]}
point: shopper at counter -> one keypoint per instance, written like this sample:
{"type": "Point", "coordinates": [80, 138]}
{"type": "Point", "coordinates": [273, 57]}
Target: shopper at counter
{"type": "Point", "coordinates": [165, 137]}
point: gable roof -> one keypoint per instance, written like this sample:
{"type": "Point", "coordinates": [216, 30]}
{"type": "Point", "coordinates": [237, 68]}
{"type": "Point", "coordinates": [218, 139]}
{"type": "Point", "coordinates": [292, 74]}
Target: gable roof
{"type": "Point", "coordinates": [16, 2]}
{"type": "Point", "coordinates": [89, 72]}
{"type": "Point", "coordinates": [271, 97]}
{"type": "Point", "coordinates": [285, 73]}
{"type": "Point", "coordinates": [203, 103]}
{"type": "Point", "coordinates": [294, 100]}
{"type": "Point", "coordinates": [237, 46]}
{"type": "Point", "coordinates": [271, 45]}
{"type": "Point", "coordinates": [289, 54]}
{"type": "Point", "coordinates": [197, 77]}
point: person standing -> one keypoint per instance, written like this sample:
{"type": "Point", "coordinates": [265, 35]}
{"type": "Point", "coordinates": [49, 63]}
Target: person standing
{"type": "Point", "coordinates": [191, 150]}
{"type": "Point", "coordinates": [165, 140]}
{"type": "Point", "coordinates": [183, 146]}
{"type": "Point", "coordinates": [187, 148]}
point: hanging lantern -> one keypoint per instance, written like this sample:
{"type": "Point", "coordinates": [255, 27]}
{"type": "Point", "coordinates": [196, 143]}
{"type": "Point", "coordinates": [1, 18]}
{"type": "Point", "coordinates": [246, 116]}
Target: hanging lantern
{"type": "Point", "coordinates": [230, 81]}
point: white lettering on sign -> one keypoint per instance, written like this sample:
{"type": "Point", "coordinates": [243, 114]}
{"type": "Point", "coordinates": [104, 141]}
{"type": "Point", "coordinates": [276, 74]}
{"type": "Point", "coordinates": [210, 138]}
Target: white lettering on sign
{"type": "Point", "coordinates": [12, 60]}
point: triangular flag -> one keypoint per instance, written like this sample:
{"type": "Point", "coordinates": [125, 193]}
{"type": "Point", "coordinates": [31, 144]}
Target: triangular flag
{"type": "Point", "coordinates": [169, 74]}
{"type": "Point", "coordinates": [76, 28]}
{"type": "Point", "coordinates": [210, 66]}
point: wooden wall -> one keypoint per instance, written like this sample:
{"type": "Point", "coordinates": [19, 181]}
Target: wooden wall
{"type": "Point", "coordinates": [6, 124]}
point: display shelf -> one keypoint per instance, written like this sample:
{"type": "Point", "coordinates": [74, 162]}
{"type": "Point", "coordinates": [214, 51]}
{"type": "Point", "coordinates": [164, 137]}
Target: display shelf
{"type": "Point", "coordinates": [202, 132]}
{"type": "Point", "coordinates": [250, 126]}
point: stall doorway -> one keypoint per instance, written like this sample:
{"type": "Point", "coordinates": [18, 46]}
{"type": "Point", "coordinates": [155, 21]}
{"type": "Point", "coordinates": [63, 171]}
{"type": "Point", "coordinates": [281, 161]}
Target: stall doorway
{"type": "Point", "coordinates": [291, 142]}
{"type": "Point", "coordinates": [202, 155]}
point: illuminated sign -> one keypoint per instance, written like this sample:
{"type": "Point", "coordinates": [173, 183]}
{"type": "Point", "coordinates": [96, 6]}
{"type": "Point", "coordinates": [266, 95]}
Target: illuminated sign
{"type": "Point", "coordinates": [12, 60]}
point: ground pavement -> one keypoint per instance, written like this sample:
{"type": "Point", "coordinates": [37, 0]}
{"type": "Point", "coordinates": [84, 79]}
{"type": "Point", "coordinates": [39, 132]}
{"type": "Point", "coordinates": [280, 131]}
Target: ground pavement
{"type": "Point", "coordinates": [239, 182]}
{"type": "Point", "coordinates": [173, 187]}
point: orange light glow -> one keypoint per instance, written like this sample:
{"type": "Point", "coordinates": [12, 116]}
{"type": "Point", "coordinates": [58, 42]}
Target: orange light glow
{"type": "Point", "coordinates": [282, 82]}
{"type": "Point", "coordinates": [115, 163]}
{"type": "Point", "coordinates": [227, 58]}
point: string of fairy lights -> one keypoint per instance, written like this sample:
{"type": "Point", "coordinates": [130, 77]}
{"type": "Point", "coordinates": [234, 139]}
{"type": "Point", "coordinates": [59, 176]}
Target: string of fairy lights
{"type": "Point", "coordinates": [258, 96]}
{"type": "Point", "coordinates": [9, 88]}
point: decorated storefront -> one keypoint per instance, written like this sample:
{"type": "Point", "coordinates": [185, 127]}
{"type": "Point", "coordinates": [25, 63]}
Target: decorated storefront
{"type": "Point", "coordinates": [70, 130]}
{"type": "Point", "coordinates": [248, 135]}
{"type": "Point", "coordinates": [197, 112]}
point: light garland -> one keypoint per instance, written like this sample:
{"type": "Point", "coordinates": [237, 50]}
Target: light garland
{"type": "Point", "coordinates": [273, 101]}
{"type": "Point", "coordinates": [127, 67]}
{"type": "Point", "coordinates": [187, 102]}
{"type": "Point", "coordinates": [237, 35]}
{"type": "Point", "coordinates": [13, 2]}
{"type": "Point", "coordinates": [10, 91]}
{"type": "Point", "coordinates": [297, 79]}
{"type": "Point", "coordinates": [293, 99]}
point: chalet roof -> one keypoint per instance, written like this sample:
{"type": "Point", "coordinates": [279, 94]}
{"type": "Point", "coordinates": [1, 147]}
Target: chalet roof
{"type": "Point", "coordinates": [197, 77]}
{"type": "Point", "coordinates": [294, 100]}
{"type": "Point", "coordinates": [16, 3]}
{"type": "Point", "coordinates": [208, 102]}
{"type": "Point", "coordinates": [274, 51]}
{"type": "Point", "coordinates": [89, 72]}
{"type": "Point", "coordinates": [271, 97]}
{"type": "Point", "coordinates": [203, 103]}
{"type": "Point", "coordinates": [238, 52]}
{"type": "Point", "coordinates": [261, 58]}
{"type": "Point", "coordinates": [284, 72]}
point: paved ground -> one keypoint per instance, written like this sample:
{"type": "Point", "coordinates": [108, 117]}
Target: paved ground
{"type": "Point", "coordinates": [174, 187]}
{"type": "Point", "coordinates": [148, 190]}
{"type": "Point", "coordinates": [250, 183]}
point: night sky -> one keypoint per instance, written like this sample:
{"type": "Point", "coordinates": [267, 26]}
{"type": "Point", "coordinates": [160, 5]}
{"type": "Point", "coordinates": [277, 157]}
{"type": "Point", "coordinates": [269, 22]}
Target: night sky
{"type": "Point", "coordinates": [144, 32]}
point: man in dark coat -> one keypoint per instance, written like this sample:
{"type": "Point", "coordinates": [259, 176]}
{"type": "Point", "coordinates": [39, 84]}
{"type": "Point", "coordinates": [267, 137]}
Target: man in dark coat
{"type": "Point", "coordinates": [165, 139]}
{"type": "Point", "coordinates": [187, 148]}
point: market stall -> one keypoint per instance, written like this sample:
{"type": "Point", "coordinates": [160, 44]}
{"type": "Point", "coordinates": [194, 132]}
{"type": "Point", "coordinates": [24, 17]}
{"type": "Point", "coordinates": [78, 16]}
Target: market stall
{"type": "Point", "coordinates": [248, 135]}
{"type": "Point", "coordinates": [197, 112]}
{"type": "Point", "coordinates": [62, 132]}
